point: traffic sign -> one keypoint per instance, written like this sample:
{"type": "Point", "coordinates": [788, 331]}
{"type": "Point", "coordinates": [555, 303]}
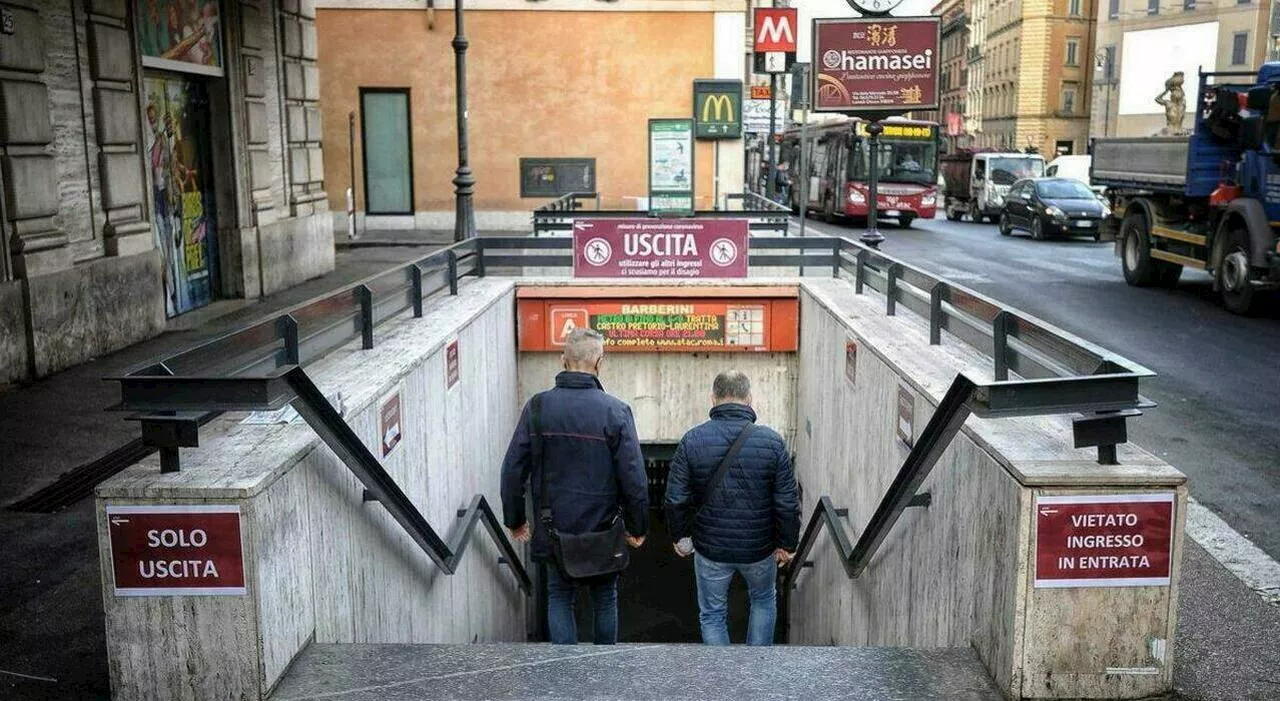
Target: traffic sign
{"type": "Point", "coordinates": [774, 41]}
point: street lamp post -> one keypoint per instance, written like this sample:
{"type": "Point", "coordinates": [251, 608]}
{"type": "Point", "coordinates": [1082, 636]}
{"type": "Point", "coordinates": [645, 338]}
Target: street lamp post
{"type": "Point", "coordinates": [464, 183]}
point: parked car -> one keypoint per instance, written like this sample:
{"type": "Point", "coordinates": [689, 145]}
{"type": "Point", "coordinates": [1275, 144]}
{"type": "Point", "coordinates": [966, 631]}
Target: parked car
{"type": "Point", "coordinates": [1053, 207]}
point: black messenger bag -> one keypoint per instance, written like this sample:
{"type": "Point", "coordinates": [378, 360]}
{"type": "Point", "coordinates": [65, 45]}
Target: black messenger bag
{"type": "Point", "coordinates": [579, 555]}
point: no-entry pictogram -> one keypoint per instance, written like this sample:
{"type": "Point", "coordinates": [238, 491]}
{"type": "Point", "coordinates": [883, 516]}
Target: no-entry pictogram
{"type": "Point", "coordinates": [1104, 540]}
{"type": "Point", "coordinates": [661, 248]}
{"type": "Point", "coordinates": [176, 550]}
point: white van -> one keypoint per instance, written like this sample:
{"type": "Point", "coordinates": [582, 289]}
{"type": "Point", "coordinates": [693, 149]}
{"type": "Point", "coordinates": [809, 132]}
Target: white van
{"type": "Point", "coordinates": [1074, 167]}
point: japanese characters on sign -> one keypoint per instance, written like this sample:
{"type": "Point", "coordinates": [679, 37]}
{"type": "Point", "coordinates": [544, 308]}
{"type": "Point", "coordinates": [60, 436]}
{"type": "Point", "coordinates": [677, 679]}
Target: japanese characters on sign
{"type": "Point", "coordinates": [660, 248]}
{"type": "Point", "coordinates": [875, 65]}
{"type": "Point", "coordinates": [1104, 540]}
{"type": "Point", "coordinates": [172, 550]}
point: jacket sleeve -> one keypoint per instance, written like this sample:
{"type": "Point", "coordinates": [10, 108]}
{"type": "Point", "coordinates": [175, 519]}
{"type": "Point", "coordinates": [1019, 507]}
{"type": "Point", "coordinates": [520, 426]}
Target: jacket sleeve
{"type": "Point", "coordinates": [633, 483]}
{"type": "Point", "coordinates": [516, 467]}
{"type": "Point", "coordinates": [786, 502]}
{"type": "Point", "coordinates": [679, 495]}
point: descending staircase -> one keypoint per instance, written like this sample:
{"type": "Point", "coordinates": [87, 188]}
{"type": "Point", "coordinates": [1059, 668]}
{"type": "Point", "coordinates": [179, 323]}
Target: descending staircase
{"type": "Point", "coordinates": [530, 671]}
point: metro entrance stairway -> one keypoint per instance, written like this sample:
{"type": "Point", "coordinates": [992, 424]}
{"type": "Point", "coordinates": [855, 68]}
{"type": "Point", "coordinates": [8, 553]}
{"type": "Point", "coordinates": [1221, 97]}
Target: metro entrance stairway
{"type": "Point", "coordinates": [530, 671]}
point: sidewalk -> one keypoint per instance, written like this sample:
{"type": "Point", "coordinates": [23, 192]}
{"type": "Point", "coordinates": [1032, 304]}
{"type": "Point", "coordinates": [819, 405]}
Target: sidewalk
{"type": "Point", "coordinates": [51, 630]}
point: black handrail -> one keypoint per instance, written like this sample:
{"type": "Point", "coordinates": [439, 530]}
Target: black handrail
{"type": "Point", "coordinates": [943, 426]}
{"type": "Point", "coordinates": [312, 405]}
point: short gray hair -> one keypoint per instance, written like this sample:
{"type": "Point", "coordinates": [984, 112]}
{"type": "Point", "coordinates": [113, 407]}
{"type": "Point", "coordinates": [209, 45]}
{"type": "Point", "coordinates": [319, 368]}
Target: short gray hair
{"type": "Point", "coordinates": [731, 384]}
{"type": "Point", "coordinates": [584, 346]}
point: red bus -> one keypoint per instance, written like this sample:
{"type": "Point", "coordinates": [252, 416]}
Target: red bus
{"type": "Point", "coordinates": [838, 165]}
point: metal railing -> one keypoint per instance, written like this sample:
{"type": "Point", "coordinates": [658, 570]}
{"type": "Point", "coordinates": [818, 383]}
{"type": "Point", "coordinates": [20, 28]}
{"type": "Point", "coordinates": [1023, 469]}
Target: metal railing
{"type": "Point", "coordinates": [260, 368]}
{"type": "Point", "coordinates": [763, 216]}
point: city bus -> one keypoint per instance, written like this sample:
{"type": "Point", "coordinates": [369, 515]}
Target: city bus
{"type": "Point", "coordinates": [838, 166]}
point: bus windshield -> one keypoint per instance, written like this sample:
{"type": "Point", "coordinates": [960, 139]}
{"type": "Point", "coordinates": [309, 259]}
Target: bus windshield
{"type": "Point", "coordinates": [899, 161]}
{"type": "Point", "coordinates": [1007, 170]}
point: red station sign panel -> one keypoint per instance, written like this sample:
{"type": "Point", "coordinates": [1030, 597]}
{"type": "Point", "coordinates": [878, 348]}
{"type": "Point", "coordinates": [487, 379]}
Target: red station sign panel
{"type": "Point", "coordinates": [660, 248]}
{"type": "Point", "coordinates": [1106, 540]}
{"type": "Point", "coordinates": [188, 550]}
{"type": "Point", "coordinates": [775, 29]}
{"type": "Point", "coordinates": [883, 64]}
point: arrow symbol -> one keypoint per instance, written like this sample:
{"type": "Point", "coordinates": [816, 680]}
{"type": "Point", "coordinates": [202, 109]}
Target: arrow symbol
{"type": "Point", "coordinates": [1046, 512]}
{"type": "Point", "coordinates": [117, 521]}
{"type": "Point", "coordinates": [581, 225]}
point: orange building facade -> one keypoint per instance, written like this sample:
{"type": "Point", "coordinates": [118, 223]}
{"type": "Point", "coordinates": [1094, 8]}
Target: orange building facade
{"type": "Point", "coordinates": [565, 79]}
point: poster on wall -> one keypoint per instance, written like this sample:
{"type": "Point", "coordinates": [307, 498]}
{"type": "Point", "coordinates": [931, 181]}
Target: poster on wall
{"type": "Point", "coordinates": [183, 217]}
{"type": "Point", "coordinates": [671, 166]}
{"type": "Point", "coordinates": [180, 35]}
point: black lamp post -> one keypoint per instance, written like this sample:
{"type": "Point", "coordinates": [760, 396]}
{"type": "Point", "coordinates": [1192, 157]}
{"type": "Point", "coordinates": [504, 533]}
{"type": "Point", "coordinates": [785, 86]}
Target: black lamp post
{"type": "Point", "coordinates": [872, 237]}
{"type": "Point", "coordinates": [464, 183]}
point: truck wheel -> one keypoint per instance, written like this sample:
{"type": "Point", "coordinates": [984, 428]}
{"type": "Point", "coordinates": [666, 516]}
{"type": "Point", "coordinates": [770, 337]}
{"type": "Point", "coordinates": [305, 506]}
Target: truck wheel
{"type": "Point", "coordinates": [1135, 254]}
{"type": "Point", "coordinates": [1004, 226]}
{"type": "Point", "coordinates": [1233, 273]}
{"type": "Point", "coordinates": [953, 214]}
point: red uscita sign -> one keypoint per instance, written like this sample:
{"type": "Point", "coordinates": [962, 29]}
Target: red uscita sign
{"type": "Point", "coordinates": [176, 550]}
{"type": "Point", "coordinates": [1105, 540]}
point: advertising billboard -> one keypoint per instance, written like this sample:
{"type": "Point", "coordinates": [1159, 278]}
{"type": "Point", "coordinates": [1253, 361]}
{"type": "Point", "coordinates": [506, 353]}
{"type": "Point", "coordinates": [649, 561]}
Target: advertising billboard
{"type": "Point", "coordinates": [1149, 57]}
{"type": "Point", "coordinates": [717, 109]}
{"type": "Point", "coordinates": [671, 166]}
{"type": "Point", "coordinates": [875, 66]}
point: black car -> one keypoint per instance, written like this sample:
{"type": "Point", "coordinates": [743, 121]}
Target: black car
{"type": "Point", "coordinates": [1053, 207]}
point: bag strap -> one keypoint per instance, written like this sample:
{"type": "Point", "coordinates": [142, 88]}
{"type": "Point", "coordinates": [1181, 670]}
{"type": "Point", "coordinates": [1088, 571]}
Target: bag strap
{"type": "Point", "coordinates": [535, 419]}
{"type": "Point", "coordinates": [714, 483]}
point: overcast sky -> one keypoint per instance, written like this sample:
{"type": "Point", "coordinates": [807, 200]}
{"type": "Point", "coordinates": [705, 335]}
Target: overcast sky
{"type": "Point", "coordinates": [809, 9]}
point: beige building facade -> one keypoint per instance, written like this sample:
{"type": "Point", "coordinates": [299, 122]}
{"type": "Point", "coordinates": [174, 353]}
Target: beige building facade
{"type": "Point", "coordinates": [1036, 66]}
{"type": "Point", "coordinates": [1223, 36]}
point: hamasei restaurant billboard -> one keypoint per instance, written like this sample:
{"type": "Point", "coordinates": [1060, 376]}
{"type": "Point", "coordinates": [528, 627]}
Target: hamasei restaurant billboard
{"type": "Point", "coordinates": [875, 65]}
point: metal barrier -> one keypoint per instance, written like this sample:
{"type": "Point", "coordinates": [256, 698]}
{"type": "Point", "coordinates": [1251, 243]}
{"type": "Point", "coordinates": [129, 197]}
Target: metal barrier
{"type": "Point", "coordinates": [763, 215]}
{"type": "Point", "coordinates": [260, 367]}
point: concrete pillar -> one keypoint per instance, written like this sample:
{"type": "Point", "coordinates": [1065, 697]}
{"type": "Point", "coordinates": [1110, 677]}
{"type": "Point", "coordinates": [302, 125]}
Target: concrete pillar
{"type": "Point", "coordinates": [37, 244]}
{"type": "Point", "coordinates": [305, 173]}
{"type": "Point", "coordinates": [114, 84]}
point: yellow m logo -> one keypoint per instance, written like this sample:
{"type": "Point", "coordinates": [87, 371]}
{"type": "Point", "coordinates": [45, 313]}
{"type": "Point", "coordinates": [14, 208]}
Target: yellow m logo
{"type": "Point", "coordinates": [721, 106]}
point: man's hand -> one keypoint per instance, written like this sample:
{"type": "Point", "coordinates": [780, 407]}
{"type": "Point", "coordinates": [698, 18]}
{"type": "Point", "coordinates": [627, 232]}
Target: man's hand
{"type": "Point", "coordinates": [635, 541]}
{"type": "Point", "coordinates": [521, 534]}
{"type": "Point", "coordinates": [683, 547]}
{"type": "Point", "coordinates": [783, 557]}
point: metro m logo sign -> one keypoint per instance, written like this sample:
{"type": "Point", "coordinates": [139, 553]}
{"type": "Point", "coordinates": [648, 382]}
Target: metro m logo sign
{"type": "Point", "coordinates": [775, 29]}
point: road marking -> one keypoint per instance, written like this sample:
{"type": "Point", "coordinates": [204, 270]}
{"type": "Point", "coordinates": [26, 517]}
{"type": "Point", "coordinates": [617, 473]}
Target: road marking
{"type": "Point", "coordinates": [1234, 551]}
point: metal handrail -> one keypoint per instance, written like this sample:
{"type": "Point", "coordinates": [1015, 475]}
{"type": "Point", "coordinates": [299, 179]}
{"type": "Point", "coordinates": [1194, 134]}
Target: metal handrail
{"type": "Point", "coordinates": [942, 428]}
{"type": "Point", "coordinates": [325, 420]}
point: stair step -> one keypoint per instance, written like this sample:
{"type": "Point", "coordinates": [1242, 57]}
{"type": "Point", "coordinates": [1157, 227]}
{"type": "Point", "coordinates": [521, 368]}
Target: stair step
{"type": "Point", "coordinates": [529, 671]}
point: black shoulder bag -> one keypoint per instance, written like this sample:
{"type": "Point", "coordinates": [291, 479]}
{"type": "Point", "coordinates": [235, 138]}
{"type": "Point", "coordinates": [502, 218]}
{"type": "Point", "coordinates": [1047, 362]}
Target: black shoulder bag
{"type": "Point", "coordinates": [714, 483]}
{"type": "Point", "coordinates": [579, 555]}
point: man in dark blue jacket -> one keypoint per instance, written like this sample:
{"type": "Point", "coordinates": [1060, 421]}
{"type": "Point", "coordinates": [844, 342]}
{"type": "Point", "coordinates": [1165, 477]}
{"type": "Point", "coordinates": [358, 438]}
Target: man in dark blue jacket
{"type": "Point", "coordinates": [594, 472]}
{"type": "Point", "coordinates": [749, 523]}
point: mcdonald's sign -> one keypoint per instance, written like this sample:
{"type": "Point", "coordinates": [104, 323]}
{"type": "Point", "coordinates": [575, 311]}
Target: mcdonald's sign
{"type": "Point", "coordinates": [717, 109]}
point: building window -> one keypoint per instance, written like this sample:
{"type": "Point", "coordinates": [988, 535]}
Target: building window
{"type": "Point", "coordinates": [1069, 98]}
{"type": "Point", "coordinates": [1240, 48]}
{"type": "Point", "coordinates": [1188, 5]}
{"type": "Point", "coordinates": [1153, 7]}
{"type": "Point", "coordinates": [1109, 63]}
{"type": "Point", "coordinates": [1243, 2]}
{"type": "Point", "coordinates": [1073, 8]}
{"type": "Point", "coordinates": [1113, 9]}
{"type": "Point", "coordinates": [1073, 52]}
{"type": "Point", "coordinates": [388, 150]}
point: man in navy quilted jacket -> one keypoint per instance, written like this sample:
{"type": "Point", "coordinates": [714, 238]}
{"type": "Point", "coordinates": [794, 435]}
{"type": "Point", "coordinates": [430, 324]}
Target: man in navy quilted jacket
{"type": "Point", "coordinates": [748, 522]}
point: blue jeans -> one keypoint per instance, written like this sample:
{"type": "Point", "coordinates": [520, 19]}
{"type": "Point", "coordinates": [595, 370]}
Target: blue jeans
{"type": "Point", "coordinates": [561, 592]}
{"type": "Point", "coordinates": [713, 592]}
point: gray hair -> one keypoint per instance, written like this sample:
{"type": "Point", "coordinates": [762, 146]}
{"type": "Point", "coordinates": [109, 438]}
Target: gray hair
{"type": "Point", "coordinates": [731, 384]}
{"type": "Point", "coordinates": [584, 346]}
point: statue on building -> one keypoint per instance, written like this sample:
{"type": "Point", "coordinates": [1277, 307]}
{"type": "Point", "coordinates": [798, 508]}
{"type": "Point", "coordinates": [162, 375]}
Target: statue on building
{"type": "Point", "coordinates": [1174, 102]}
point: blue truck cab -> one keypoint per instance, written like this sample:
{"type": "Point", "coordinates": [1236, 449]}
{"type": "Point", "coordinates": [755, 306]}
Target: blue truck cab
{"type": "Point", "coordinates": [1209, 199]}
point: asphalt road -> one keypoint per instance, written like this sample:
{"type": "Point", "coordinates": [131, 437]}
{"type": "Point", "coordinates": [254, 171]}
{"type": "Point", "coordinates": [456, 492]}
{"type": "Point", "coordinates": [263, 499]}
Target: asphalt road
{"type": "Point", "coordinates": [1218, 383]}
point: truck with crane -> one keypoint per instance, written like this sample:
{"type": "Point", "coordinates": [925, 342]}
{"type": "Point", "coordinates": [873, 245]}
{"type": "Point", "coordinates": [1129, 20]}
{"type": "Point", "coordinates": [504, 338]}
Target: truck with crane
{"type": "Point", "coordinates": [1209, 200]}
